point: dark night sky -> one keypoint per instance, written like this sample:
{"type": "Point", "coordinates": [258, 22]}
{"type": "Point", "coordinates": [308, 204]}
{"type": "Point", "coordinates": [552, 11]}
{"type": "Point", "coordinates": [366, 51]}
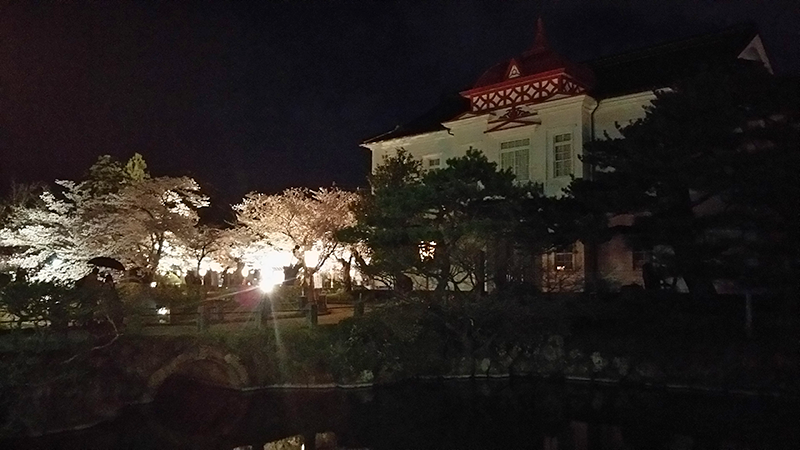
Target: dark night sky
{"type": "Point", "coordinates": [266, 95]}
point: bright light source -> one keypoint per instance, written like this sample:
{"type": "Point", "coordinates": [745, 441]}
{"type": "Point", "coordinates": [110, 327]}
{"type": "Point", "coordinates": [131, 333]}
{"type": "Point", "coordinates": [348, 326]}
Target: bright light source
{"type": "Point", "coordinates": [266, 286]}
{"type": "Point", "coordinates": [311, 258]}
{"type": "Point", "coordinates": [153, 284]}
{"type": "Point", "coordinates": [163, 311]}
{"type": "Point", "coordinates": [270, 279]}
{"type": "Point", "coordinates": [560, 268]}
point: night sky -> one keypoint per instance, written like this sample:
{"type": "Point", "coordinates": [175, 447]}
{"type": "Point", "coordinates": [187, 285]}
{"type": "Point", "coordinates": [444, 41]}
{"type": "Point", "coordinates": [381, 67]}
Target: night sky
{"type": "Point", "coordinates": [266, 95]}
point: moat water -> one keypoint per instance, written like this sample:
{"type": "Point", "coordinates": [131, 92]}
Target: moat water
{"type": "Point", "coordinates": [491, 414]}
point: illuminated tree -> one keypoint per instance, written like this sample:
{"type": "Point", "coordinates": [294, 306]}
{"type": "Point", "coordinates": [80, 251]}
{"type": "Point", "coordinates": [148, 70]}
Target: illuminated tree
{"type": "Point", "coordinates": [118, 211]}
{"type": "Point", "coordinates": [145, 216]}
{"type": "Point", "coordinates": [200, 243]}
{"type": "Point", "coordinates": [48, 239]}
{"type": "Point", "coordinates": [300, 222]}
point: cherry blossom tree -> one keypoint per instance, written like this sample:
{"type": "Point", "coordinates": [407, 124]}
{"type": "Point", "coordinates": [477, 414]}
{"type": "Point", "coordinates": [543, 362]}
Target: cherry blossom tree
{"type": "Point", "coordinates": [145, 216]}
{"type": "Point", "coordinates": [201, 243]}
{"type": "Point", "coordinates": [118, 211]}
{"type": "Point", "coordinates": [47, 238]}
{"type": "Point", "coordinates": [299, 221]}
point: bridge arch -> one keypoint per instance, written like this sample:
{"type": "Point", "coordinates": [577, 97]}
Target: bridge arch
{"type": "Point", "coordinates": [206, 364]}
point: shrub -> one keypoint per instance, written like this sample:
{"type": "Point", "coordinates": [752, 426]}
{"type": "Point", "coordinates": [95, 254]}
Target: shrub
{"type": "Point", "coordinates": [41, 304]}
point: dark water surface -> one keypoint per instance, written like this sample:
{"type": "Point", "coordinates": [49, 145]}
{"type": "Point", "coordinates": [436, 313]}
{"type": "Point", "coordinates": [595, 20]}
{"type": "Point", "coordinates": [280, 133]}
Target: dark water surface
{"type": "Point", "coordinates": [493, 414]}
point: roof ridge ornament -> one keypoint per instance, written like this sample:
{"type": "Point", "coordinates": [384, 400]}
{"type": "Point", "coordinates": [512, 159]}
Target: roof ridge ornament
{"type": "Point", "coordinates": [540, 41]}
{"type": "Point", "coordinates": [539, 75]}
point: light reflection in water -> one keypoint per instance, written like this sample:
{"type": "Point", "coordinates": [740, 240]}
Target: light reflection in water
{"type": "Point", "coordinates": [509, 414]}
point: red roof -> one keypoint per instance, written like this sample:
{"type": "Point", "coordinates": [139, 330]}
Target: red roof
{"type": "Point", "coordinates": [538, 60]}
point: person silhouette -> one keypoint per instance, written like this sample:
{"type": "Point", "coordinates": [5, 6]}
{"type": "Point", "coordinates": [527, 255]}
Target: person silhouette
{"type": "Point", "coordinates": [111, 303]}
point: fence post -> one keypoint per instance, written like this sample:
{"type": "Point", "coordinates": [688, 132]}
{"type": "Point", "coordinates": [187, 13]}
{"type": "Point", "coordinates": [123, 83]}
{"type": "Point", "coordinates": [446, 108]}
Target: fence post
{"type": "Point", "coordinates": [201, 318]}
{"type": "Point", "coordinates": [262, 313]}
{"type": "Point", "coordinates": [358, 311]}
{"type": "Point", "coordinates": [302, 301]}
{"type": "Point", "coordinates": [313, 313]}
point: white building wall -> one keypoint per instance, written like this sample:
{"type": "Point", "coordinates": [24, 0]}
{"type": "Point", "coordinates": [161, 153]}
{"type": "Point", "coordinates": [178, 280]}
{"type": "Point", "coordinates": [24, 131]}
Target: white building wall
{"type": "Point", "coordinates": [582, 116]}
{"type": "Point", "coordinates": [620, 111]}
{"type": "Point", "coordinates": [568, 115]}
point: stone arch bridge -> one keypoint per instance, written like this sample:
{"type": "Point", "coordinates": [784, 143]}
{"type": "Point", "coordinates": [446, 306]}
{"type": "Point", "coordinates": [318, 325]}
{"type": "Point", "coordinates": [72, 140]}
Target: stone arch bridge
{"type": "Point", "coordinates": [143, 365]}
{"type": "Point", "coordinates": [135, 368]}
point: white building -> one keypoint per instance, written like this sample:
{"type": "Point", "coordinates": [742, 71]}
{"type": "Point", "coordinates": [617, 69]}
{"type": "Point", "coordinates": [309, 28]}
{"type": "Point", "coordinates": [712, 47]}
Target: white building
{"type": "Point", "coordinates": [534, 113]}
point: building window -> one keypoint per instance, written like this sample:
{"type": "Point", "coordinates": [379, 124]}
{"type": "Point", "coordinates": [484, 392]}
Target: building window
{"type": "Point", "coordinates": [564, 260]}
{"type": "Point", "coordinates": [562, 155]}
{"type": "Point", "coordinates": [432, 162]}
{"type": "Point", "coordinates": [427, 250]}
{"type": "Point", "coordinates": [514, 155]}
{"type": "Point", "coordinates": [640, 257]}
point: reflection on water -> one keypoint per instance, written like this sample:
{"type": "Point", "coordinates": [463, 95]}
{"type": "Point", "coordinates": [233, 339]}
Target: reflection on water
{"type": "Point", "coordinates": [447, 415]}
{"type": "Point", "coordinates": [322, 441]}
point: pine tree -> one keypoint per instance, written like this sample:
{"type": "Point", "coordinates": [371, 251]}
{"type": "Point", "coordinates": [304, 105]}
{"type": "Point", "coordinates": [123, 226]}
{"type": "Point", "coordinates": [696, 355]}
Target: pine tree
{"type": "Point", "coordinates": [440, 224]}
{"type": "Point", "coordinates": [710, 175]}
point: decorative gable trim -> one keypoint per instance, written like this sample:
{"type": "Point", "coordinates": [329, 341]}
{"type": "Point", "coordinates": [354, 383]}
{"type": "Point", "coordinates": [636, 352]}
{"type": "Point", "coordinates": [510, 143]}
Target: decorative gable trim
{"type": "Point", "coordinates": [525, 90]}
{"type": "Point", "coordinates": [513, 70]}
{"type": "Point", "coordinates": [755, 52]}
{"type": "Point", "coordinates": [515, 117]}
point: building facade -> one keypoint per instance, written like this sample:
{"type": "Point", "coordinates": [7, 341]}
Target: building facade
{"type": "Point", "coordinates": [533, 115]}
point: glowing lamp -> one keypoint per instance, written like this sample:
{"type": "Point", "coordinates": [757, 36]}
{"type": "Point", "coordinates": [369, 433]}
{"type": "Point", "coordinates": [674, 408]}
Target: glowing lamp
{"type": "Point", "coordinates": [270, 279]}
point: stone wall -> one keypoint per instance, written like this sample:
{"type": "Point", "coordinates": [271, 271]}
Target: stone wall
{"type": "Point", "coordinates": [93, 389]}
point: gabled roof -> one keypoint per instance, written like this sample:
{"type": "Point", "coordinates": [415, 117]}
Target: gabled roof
{"type": "Point", "coordinates": [540, 58]}
{"type": "Point", "coordinates": [635, 71]}
{"type": "Point", "coordinates": [661, 65]}
{"type": "Point", "coordinates": [448, 108]}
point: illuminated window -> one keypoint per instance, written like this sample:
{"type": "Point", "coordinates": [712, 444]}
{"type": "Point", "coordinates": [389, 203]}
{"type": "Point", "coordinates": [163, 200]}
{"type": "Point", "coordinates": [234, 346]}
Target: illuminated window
{"type": "Point", "coordinates": [432, 162]}
{"type": "Point", "coordinates": [427, 250]}
{"type": "Point", "coordinates": [565, 259]}
{"type": "Point", "coordinates": [562, 155]}
{"type": "Point", "coordinates": [514, 155]}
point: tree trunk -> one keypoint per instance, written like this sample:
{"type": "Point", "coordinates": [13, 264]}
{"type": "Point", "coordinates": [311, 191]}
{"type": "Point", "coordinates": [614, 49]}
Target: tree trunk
{"type": "Point", "coordinates": [346, 278]}
{"type": "Point", "coordinates": [444, 277]}
{"type": "Point", "coordinates": [500, 256]}
{"type": "Point", "coordinates": [480, 273]}
{"type": "Point", "coordinates": [690, 264]}
{"type": "Point", "coordinates": [311, 291]}
{"type": "Point", "coordinates": [151, 272]}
